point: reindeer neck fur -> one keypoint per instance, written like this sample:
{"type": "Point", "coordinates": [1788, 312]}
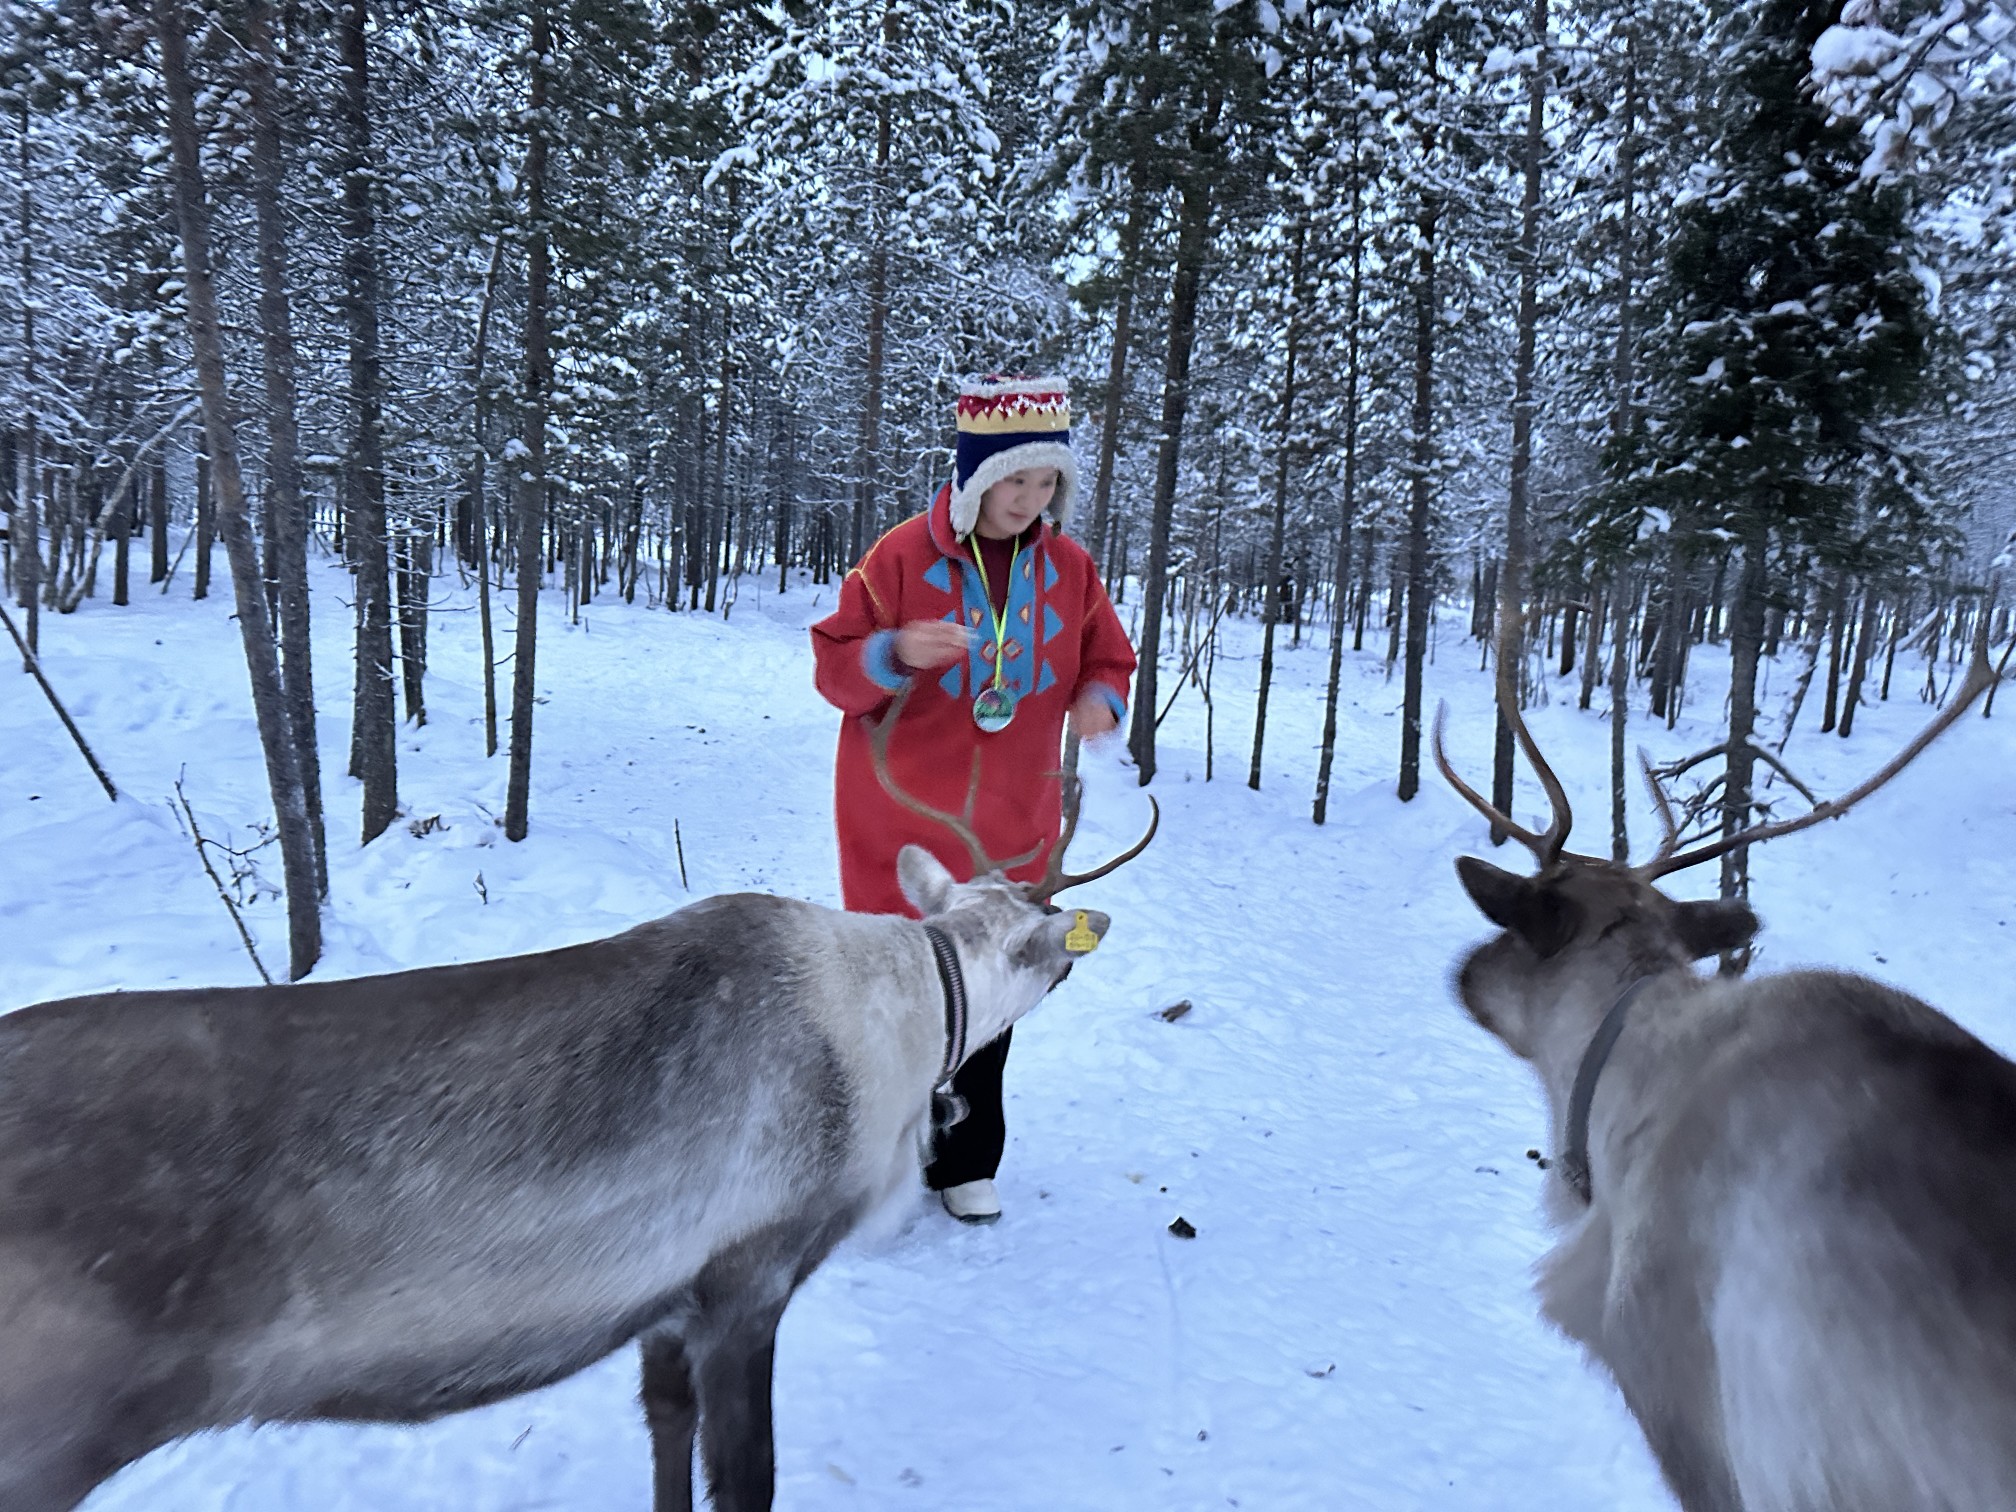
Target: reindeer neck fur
{"type": "Point", "coordinates": [1571, 1029]}
{"type": "Point", "coordinates": [887, 1013]}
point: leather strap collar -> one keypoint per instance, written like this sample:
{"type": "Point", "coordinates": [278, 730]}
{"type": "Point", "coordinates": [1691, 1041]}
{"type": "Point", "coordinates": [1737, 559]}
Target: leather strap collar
{"type": "Point", "coordinates": [1574, 1160]}
{"type": "Point", "coordinates": [953, 981]}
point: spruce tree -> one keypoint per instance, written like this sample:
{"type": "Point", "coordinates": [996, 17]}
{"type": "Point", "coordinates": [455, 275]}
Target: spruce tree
{"type": "Point", "coordinates": [1795, 323]}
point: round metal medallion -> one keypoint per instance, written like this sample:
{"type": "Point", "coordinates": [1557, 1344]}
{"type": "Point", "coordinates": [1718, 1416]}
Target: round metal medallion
{"type": "Point", "coordinates": [993, 708]}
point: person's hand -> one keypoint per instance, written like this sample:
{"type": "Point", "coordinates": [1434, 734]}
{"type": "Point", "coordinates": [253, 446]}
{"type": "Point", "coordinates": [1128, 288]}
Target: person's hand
{"type": "Point", "coordinates": [1092, 716]}
{"type": "Point", "coordinates": [930, 644]}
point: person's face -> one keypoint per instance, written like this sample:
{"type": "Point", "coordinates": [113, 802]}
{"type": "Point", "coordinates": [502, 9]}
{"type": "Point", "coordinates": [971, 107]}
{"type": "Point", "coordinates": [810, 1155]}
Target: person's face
{"type": "Point", "coordinates": [1017, 502]}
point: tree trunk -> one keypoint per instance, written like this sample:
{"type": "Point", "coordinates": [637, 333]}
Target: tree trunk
{"type": "Point", "coordinates": [1620, 713]}
{"type": "Point", "coordinates": [479, 504]}
{"type": "Point", "coordinates": [1865, 638]}
{"type": "Point", "coordinates": [1590, 652]}
{"type": "Point", "coordinates": [206, 522]}
{"type": "Point", "coordinates": [1271, 613]}
{"type": "Point", "coordinates": [286, 510]}
{"type": "Point", "coordinates": [1746, 643]}
{"type": "Point", "coordinates": [1116, 376]}
{"type": "Point", "coordinates": [1899, 626]}
{"type": "Point", "coordinates": [1321, 811]}
{"type": "Point", "coordinates": [1512, 582]}
{"type": "Point", "coordinates": [1192, 242]}
{"type": "Point", "coordinates": [865, 529]}
{"type": "Point", "coordinates": [157, 522]}
{"type": "Point", "coordinates": [1837, 612]}
{"type": "Point", "coordinates": [122, 537]}
{"type": "Point", "coordinates": [276, 736]}
{"type": "Point", "coordinates": [1625, 360]}
{"type": "Point", "coordinates": [374, 757]}
{"type": "Point", "coordinates": [26, 523]}
{"type": "Point", "coordinates": [531, 466]}
{"type": "Point", "coordinates": [416, 568]}
{"type": "Point", "coordinates": [1420, 572]}
{"type": "Point", "coordinates": [718, 524]}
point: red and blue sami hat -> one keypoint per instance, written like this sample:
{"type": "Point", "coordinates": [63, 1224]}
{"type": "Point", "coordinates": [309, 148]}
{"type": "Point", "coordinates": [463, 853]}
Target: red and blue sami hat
{"type": "Point", "coordinates": [1005, 426]}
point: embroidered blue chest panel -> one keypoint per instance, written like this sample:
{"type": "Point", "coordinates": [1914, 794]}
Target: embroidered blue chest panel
{"type": "Point", "coordinates": [1025, 666]}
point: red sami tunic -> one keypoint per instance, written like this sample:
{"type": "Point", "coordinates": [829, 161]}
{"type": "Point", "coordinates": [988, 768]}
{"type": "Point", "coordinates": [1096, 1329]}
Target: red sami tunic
{"type": "Point", "coordinates": [1062, 638]}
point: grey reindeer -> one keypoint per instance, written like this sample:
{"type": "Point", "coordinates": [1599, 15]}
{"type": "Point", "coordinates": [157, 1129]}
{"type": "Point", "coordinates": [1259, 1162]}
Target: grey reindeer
{"type": "Point", "coordinates": [1786, 1205]}
{"type": "Point", "coordinates": [400, 1196]}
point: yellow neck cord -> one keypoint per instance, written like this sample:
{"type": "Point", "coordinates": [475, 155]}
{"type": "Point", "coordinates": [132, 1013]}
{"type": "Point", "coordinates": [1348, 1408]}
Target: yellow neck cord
{"type": "Point", "coordinates": [1000, 620]}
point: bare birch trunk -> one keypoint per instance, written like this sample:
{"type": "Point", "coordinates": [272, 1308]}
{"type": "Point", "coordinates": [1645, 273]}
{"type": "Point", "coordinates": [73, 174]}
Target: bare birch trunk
{"type": "Point", "coordinates": [276, 736]}
{"type": "Point", "coordinates": [374, 757]}
{"type": "Point", "coordinates": [1192, 242]}
{"type": "Point", "coordinates": [1512, 582]}
{"type": "Point", "coordinates": [1865, 638]}
{"type": "Point", "coordinates": [1271, 598]}
{"type": "Point", "coordinates": [479, 504]}
{"type": "Point", "coordinates": [1837, 606]}
{"type": "Point", "coordinates": [26, 534]}
{"type": "Point", "coordinates": [1420, 573]}
{"type": "Point", "coordinates": [1116, 379]}
{"type": "Point", "coordinates": [286, 508]}
{"type": "Point", "coordinates": [1321, 810]}
{"type": "Point", "coordinates": [530, 467]}
{"type": "Point", "coordinates": [1620, 713]}
{"type": "Point", "coordinates": [1746, 636]}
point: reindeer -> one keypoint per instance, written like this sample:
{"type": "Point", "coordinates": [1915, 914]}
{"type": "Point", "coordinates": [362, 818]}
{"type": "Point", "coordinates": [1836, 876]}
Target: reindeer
{"type": "Point", "coordinates": [1787, 1204]}
{"type": "Point", "coordinates": [396, 1197]}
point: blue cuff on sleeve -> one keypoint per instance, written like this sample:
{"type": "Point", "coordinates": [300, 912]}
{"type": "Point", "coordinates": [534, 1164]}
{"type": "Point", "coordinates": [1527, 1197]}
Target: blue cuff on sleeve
{"type": "Point", "coordinates": [1113, 700]}
{"type": "Point", "coordinates": [878, 660]}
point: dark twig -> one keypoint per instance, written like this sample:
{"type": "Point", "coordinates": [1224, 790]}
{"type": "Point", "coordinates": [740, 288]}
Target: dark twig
{"type": "Point", "coordinates": [216, 881]}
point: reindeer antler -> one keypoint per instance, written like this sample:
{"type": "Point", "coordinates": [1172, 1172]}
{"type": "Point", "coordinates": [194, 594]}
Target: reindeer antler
{"type": "Point", "coordinates": [1549, 846]}
{"type": "Point", "coordinates": [1055, 878]}
{"type": "Point", "coordinates": [961, 824]}
{"type": "Point", "coordinates": [1669, 859]}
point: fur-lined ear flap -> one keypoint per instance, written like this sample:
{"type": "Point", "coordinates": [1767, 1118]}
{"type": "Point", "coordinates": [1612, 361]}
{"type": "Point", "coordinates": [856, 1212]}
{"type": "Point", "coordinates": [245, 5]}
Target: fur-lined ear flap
{"type": "Point", "coordinates": [1535, 912]}
{"type": "Point", "coordinates": [1709, 928]}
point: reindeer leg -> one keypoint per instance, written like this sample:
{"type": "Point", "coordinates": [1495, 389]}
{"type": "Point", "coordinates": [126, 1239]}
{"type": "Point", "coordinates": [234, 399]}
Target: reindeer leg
{"type": "Point", "coordinates": [736, 1442]}
{"type": "Point", "coordinates": [670, 1411]}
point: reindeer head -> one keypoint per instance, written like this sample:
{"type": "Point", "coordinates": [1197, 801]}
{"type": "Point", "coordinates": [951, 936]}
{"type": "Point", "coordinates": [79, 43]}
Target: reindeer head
{"type": "Point", "coordinates": [1015, 944]}
{"type": "Point", "coordinates": [1580, 922]}
{"type": "Point", "coordinates": [1584, 927]}
{"type": "Point", "coordinates": [1012, 949]}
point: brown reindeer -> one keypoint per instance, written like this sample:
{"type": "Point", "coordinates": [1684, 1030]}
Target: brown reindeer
{"type": "Point", "coordinates": [1787, 1204]}
{"type": "Point", "coordinates": [394, 1197]}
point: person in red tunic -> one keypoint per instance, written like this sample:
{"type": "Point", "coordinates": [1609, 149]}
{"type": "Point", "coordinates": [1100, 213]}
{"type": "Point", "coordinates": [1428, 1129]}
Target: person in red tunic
{"type": "Point", "coordinates": [999, 627]}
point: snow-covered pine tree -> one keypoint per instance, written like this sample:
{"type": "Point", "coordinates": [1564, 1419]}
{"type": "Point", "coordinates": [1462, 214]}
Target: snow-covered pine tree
{"type": "Point", "coordinates": [1794, 322]}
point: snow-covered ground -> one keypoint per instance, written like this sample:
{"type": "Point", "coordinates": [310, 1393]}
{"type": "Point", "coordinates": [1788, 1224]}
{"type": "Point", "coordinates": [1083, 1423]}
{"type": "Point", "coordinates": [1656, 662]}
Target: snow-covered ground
{"type": "Point", "coordinates": [1351, 1326]}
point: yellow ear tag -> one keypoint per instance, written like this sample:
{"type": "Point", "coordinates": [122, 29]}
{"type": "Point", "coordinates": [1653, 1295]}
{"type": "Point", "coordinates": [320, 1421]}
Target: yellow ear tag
{"type": "Point", "coordinates": [1081, 940]}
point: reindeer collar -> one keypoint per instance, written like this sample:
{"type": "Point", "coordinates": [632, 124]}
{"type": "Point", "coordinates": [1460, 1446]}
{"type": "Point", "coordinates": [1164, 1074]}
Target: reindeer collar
{"type": "Point", "coordinates": [1574, 1159]}
{"type": "Point", "coordinates": [953, 982]}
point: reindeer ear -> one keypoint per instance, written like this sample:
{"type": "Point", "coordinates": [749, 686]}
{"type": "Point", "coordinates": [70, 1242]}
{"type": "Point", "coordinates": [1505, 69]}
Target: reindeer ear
{"type": "Point", "coordinates": [924, 880]}
{"type": "Point", "coordinates": [1709, 928]}
{"type": "Point", "coordinates": [1538, 914]}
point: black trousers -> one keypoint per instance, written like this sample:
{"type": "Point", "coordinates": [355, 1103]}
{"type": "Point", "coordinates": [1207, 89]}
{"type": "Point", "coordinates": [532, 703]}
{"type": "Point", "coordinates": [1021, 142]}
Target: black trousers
{"type": "Point", "coordinates": [971, 1149]}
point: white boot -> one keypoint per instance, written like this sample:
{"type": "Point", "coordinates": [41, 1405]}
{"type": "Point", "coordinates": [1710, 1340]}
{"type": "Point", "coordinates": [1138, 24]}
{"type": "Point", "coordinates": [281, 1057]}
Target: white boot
{"type": "Point", "coordinates": [972, 1201]}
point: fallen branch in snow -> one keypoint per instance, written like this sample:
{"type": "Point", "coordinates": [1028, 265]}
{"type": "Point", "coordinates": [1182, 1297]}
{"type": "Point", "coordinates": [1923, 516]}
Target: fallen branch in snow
{"type": "Point", "coordinates": [35, 668]}
{"type": "Point", "coordinates": [200, 841]}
